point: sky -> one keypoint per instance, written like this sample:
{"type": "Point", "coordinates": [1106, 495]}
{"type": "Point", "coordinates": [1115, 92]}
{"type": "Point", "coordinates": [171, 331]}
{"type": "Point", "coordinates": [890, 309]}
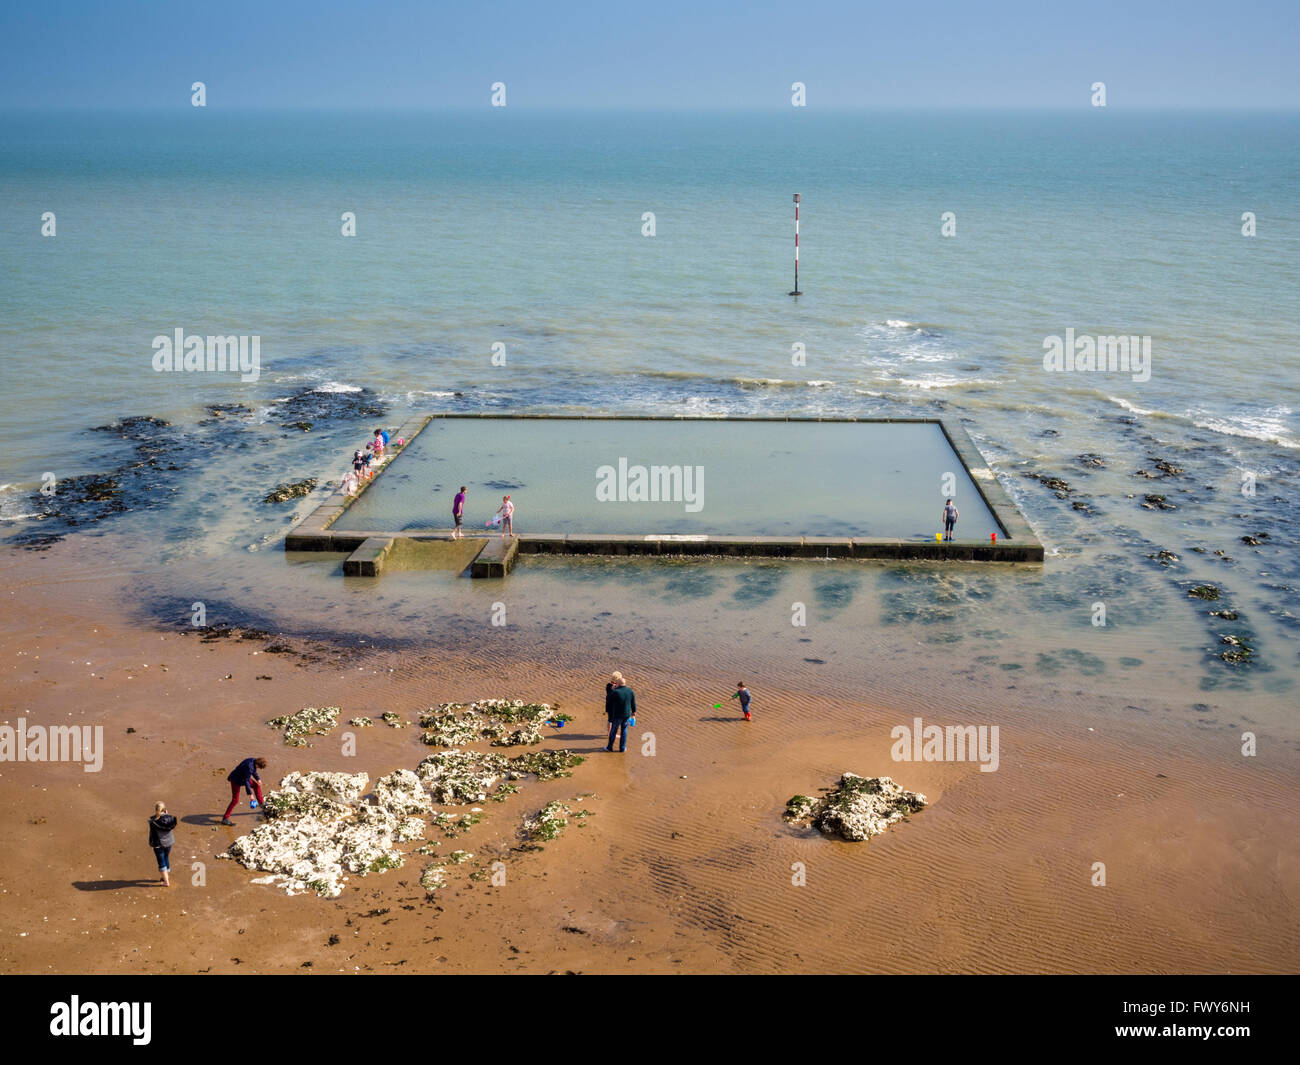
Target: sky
{"type": "Point", "coordinates": [669, 54]}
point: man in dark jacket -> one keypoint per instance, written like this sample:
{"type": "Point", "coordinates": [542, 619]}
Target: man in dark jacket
{"type": "Point", "coordinates": [244, 775]}
{"type": "Point", "coordinates": [620, 708]}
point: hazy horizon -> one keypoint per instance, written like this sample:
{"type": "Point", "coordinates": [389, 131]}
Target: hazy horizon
{"type": "Point", "coordinates": [684, 54]}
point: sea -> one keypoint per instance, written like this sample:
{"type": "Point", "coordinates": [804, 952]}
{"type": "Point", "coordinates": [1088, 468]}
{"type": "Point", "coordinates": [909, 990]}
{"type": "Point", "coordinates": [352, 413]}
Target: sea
{"type": "Point", "coordinates": [502, 260]}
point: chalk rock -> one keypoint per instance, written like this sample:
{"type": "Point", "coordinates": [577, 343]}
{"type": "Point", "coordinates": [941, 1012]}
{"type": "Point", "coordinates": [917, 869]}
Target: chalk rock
{"type": "Point", "coordinates": [857, 808]}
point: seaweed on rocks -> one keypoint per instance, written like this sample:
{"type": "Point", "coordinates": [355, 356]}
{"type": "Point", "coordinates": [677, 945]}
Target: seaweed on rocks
{"type": "Point", "coordinates": [857, 808]}
{"type": "Point", "coordinates": [460, 777]}
{"type": "Point", "coordinates": [140, 481]}
{"type": "Point", "coordinates": [432, 879]}
{"type": "Point", "coordinates": [1204, 591]}
{"type": "Point", "coordinates": [1165, 468]}
{"type": "Point", "coordinates": [459, 724]}
{"type": "Point", "coordinates": [1155, 501]}
{"type": "Point", "coordinates": [544, 765]}
{"type": "Point", "coordinates": [1238, 652]}
{"type": "Point", "coordinates": [291, 490]}
{"type": "Point", "coordinates": [217, 411]}
{"type": "Point", "coordinates": [317, 831]}
{"type": "Point", "coordinates": [401, 791]}
{"type": "Point", "coordinates": [548, 822]}
{"type": "Point", "coordinates": [309, 721]}
{"type": "Point", "coordinates": [303, 409]}
{"type": "Point", "coordinates": [1058, 485]}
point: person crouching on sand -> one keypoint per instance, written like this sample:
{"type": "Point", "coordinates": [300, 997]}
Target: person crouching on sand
{"type": "Point", "coordinates": [161, 839]}
{"type": "Point", "coordinates": [507, 512]}
{"type": "Point", "coordinates": [244, 775]}
{"type": "Point", "coordinates": [620, 708]}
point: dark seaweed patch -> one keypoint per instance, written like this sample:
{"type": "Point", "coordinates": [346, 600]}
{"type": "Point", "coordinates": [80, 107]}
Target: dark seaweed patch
{"type": "Point", "coordinates": [303, 409]}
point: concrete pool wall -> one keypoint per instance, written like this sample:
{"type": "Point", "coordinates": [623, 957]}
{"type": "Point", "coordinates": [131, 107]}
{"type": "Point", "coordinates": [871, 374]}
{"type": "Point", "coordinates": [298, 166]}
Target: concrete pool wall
{"type": "Point", "coordinates": [369, 547]}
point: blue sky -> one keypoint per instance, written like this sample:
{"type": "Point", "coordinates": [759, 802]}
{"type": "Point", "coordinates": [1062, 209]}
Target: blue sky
{"type": "Point", "coordinates": [669, 54]}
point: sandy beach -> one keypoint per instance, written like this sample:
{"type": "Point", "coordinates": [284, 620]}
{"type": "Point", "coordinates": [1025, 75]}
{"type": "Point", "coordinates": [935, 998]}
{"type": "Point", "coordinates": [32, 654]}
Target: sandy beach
{"type": "Point", "coordinates": [685, 864]}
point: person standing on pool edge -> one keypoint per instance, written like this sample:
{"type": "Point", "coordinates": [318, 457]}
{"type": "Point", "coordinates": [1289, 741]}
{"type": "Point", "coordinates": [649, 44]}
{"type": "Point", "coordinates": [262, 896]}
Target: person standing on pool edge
{"type": "Point", "coordinates": [244, 775]}
{"type": "Point", "coordinates": [620, 708]}
{"type": "Point", "coordinates": [507, 512]}
{"type": "Point", "coordinates": [949, 519]}
{"type": "Point", "coordinates": [458, 513]}
{"type": "Point", "coordinates": [742, 693]}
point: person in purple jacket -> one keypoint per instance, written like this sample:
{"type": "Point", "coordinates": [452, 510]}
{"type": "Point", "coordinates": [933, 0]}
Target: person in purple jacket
{"type": "Point", "coordinates": [458, 513]}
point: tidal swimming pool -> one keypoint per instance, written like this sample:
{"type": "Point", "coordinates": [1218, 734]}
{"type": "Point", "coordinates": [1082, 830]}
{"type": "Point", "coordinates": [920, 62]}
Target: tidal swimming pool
{"type": "Point", "coordinates": [680, 477]}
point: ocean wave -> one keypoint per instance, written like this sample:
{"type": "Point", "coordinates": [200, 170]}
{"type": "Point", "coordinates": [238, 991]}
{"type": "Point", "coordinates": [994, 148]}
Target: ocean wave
{"type": "Point", "coordinates": [778, 382]}
{"type": "Point", "coordinates": [931, 381]}
{"type": "Point", "coordinates": [414, 395]}
{"type": "Point", "coordinates": [1267, 426]}
{"type": "Point", "coordinates": [1133, 408]}
{"type": "Point", "coordinates": [336, 387]}
{"type": "Point", "coordinates": [671, 375]}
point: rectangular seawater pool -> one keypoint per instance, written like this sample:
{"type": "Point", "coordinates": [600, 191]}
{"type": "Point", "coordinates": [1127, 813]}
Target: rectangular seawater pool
{"type": "Point", "coordinates": [646, 477]}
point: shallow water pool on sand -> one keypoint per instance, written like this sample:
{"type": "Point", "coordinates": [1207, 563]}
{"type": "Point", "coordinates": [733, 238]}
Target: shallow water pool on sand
{"type": "Point", "coordinates": [682, 477]}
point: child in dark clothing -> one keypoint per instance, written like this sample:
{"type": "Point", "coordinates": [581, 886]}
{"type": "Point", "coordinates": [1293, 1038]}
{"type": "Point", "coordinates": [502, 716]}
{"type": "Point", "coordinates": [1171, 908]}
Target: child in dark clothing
{"type": "Point", "coordinates": [742, 693]}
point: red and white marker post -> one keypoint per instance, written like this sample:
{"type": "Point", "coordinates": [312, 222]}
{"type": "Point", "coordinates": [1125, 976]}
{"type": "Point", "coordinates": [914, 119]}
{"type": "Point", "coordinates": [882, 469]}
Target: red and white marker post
{"type": "Point", "coordinates": [796, 291]}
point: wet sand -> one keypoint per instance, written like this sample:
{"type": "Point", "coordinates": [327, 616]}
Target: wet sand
{"type": "Point", "coordinates": [685, 864]}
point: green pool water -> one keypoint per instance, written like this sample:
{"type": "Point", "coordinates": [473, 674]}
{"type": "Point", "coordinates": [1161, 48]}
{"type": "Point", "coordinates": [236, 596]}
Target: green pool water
{"type": "Point", "coordinates": [678, 477]}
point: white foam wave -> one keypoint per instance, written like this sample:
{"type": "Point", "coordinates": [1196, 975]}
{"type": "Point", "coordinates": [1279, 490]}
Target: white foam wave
{"type": "Point", "coordinates": [931, 381]}
{"type": "Point", "coordinates": [1268, 426]}
{"type": "Point", "coordinates": [1258, 427]}
{"type": "Point", "coordinates": [1133, 408]}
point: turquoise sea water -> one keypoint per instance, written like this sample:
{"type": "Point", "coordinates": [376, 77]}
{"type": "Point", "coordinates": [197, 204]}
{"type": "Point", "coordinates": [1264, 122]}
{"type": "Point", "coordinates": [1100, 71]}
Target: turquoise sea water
{"type": "Point", "coordinates": [526, 232]}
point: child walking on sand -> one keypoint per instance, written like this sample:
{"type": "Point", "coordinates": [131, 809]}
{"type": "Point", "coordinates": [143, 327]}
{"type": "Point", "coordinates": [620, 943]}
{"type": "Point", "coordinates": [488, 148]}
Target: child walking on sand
{"type": "Point", "coordinates": [742, 693]}
{"type": "Point", "coordinates": [161, 840]}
